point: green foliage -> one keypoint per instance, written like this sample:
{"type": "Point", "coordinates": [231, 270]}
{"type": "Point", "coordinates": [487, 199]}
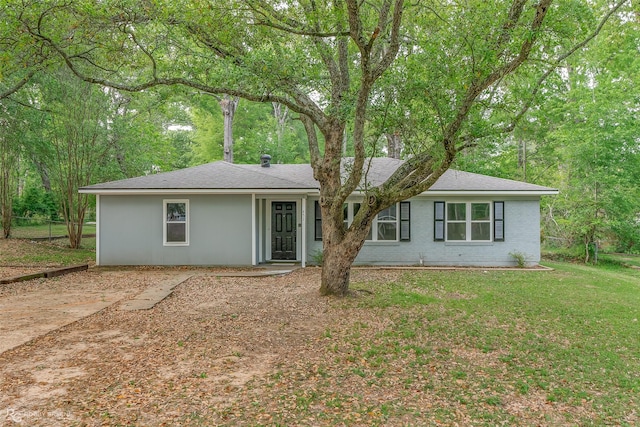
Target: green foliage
{"type": "Point", "coordinates": [256, 131]}
{"type": "Point", "coordinates": [318, 257]}
{"type": "Point", "coordinates": [55, 253]}
{"type": "Point", "coordinates": [583, 141]}
{"type": "Point", "coordinates": [35, 201]}
{"type": "Point", "coordinates": [520, 258]}
{"type": "Point", "coordinates": [445, 76]}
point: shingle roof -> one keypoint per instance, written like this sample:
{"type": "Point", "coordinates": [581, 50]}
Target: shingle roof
{"type": "Point", "coordinates": [227, 176]}
{"type": "Point", "coordinates": [455, 180]}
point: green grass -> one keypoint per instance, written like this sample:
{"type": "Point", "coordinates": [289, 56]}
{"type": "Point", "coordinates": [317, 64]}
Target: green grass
{"type": "Point", "coordinates": [16, 252]}
{"type": "Point", "coordinates": [483, 348]}
{"type": "Point", "coordinates": [44, 230]}
{"type": "Point", "coordinates": [572, 335]}
{"type": "Point", "coordinates": [620, 259]}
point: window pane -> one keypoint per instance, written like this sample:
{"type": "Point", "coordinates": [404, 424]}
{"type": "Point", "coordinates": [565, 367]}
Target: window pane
{"type": "Point", "coordinates": [387, 231]}
{"type": "Point", "coordinates": [457, 231]}
{"type": "Point", "coordinates": [388, 214]}
{"type": "Point", "coordinates": [356, 208]}
{"type": "Point", "coordinates": [480, 211]}
{"type": "Point", "coordinates": [456, 211]}
{"type": "Point", "coordinates": [176, 211]}
{"type": "Point", "coordinates": [176, 232]}
{"type": "Point", "coordinates": [480, 231]}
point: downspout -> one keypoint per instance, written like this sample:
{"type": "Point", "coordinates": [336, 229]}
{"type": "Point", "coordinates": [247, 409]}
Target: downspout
{"type": "Point", "coordinates": [261, 256]}
{"type": "Point", "coordinates": [97, 229]}
{"type": "Point", "coordinates": [254, 251]}
{"type": "Point", "coordinates": [303, 237]}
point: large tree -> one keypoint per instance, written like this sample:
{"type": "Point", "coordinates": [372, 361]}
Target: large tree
{"type": "Point", "coordinates": [9, 161]}
{"type": "Point", "coordinates": [584, 141]}
{"type": "Point", "coordinates": [330, 62]}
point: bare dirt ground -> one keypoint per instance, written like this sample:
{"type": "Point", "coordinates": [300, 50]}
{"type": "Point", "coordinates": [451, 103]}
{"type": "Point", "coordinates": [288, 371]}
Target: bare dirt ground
{"type": "Point", "coordinates": [197, 348]}
{"type": "Point", "coordinates": [32, 308]}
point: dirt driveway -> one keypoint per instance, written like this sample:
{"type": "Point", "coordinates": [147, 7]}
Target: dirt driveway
{"type": "Point", "coordinates": [31, 309]}
{"type": "Point", "coordinates": [199, 346]}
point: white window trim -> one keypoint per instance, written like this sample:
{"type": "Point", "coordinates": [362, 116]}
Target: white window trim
{"type": "Point", "coordinates": [374, 225]}
{"type": "Point", "coordinates": [468, 221]}
{"type": "Point", "coordinates": [165, 222]}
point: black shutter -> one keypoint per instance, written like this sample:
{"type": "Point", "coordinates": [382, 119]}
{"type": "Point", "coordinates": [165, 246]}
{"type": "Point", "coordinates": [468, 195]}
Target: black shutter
{"type": "Point", "coordinates": [438, 221]}
{"type": "Point", "coordinates": [405, 221]}
{"type": "Point", "coordinates": [318, 221]}
{"type": "Point", "coordinates": [498, 221]}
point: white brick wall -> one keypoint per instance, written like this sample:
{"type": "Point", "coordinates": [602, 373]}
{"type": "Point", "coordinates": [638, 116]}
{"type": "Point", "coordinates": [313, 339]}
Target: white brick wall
{"type": "Point", "coordinates": [522, 234]}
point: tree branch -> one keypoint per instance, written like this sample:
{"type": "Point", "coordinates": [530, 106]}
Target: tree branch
{"type": "Point", "coordinates": [16, 87]}
{"type": "Point", "coordinates": [557, 63]}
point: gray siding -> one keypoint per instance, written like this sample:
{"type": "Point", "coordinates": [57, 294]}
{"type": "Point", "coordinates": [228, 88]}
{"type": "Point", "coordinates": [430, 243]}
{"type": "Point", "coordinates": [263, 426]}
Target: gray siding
{"type": "Point", "coordinates": [131, 231]}
{"type": "Point", "coordinates": [522, 234]}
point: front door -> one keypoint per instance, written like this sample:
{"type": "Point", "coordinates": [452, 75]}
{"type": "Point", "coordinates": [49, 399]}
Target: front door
{"type": "Point", "coordinates": [283, 230]}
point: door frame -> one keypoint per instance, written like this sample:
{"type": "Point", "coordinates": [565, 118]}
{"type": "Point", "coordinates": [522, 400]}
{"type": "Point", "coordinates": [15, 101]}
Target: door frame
{"type": "Point", "coordinates": [299, 227]}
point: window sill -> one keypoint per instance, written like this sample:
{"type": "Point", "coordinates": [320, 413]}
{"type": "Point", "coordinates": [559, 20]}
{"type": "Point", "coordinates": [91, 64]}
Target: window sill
{"type": "Point", "coordinates": [175, 244]}
{"type": "Point", "coordinates": [469, 243]}
{"type": "Point", "coordinates": [381, 243]}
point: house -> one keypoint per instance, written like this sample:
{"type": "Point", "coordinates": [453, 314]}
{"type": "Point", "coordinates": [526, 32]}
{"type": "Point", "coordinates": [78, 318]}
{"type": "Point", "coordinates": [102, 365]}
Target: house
{"type": "Point", "coordinates": [227, 214]}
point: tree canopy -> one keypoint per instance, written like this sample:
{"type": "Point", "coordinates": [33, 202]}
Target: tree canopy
{"type": "Point", "coordinates": [446, 76]}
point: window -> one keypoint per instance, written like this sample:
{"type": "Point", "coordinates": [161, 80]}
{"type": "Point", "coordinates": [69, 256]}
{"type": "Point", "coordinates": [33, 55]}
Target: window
{"type": "Point", "coordinates": [387, 225]}
{"type": "Point", "coordinates": [176, 223]}
{"type": "Point", "coordinates": [469, 221]}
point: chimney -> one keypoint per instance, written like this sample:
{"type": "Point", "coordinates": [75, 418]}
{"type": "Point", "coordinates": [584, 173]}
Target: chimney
{"type": "Point", "coordinates": [265, 161]}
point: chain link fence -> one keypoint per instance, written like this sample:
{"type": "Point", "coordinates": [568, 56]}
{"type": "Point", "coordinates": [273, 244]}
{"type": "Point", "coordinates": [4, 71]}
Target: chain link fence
{"type": "Point", "coordinates": [40, 228]}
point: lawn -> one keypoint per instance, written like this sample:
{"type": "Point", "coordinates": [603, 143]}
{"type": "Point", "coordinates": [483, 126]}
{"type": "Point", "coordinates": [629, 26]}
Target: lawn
{"type": "Point", "coordinates": [623, 259]}
{"type": "Point", "coordinates": [46, 230]}
{"type": "Point", "coordinates": [422, 347]}
{"type": "Point", "coordinates": [478, 348]}
{"type": "Point", "coordinates": [57, 253]}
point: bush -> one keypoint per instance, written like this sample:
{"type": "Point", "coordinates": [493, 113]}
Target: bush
{"type": "Point", "coordinates": [318, 257]}
{"type": "Point", "coordinates": [36, 202]}
{"type": "Point", "coordinates": [520, 258]}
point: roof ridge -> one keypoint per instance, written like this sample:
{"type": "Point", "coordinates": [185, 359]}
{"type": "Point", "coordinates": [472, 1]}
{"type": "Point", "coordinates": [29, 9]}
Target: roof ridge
{"type": "Point", "coordinates": [259, 171]}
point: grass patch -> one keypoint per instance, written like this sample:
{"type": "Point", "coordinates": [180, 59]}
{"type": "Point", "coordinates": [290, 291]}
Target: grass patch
{"type": "Point", "coordinates": [483, 348]}
{"type": "Point", "coordinates": [55, 253]}
{"type": "Point", "coordinates": [46, 230]}
{"type": "Point", "coordinates": [625, 260]}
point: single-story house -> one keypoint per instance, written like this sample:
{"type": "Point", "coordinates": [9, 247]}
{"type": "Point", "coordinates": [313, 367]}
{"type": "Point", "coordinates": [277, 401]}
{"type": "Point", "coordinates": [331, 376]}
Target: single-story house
{"type": "Point", "coordinates": [224, 214]}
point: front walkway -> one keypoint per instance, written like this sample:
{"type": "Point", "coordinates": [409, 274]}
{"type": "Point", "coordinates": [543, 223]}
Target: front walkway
{"type": "Point", "coordinates": [37, 307]}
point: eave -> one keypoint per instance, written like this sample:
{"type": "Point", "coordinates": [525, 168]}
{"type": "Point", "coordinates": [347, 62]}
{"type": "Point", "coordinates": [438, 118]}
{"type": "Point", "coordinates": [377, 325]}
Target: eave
{"type": "Point", "coordinates": [188, 191]}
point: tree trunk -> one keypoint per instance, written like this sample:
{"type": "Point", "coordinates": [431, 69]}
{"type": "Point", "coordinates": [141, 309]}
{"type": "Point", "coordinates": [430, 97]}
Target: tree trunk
{"type": "Point", "coordinates": [228, 105]}
{"type": "Point", "coordinates": [394, 145]}
{"type": "Point", "coordinates": [6, 197]}
{"type": "Point", "coordinates": [281, 113]}
{"type": "Point", "coordinates": [522, 157]}
{"type": "Point", "coordinates": [336, 270]}
{"type": "Point", "coordinates": [8, 166]}
{"type": "Point", "coordinates": [44, 174]}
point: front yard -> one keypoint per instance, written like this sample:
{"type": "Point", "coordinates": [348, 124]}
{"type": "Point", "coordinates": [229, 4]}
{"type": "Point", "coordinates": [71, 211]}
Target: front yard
{"type": "Point", "coordinates": [409, 348]}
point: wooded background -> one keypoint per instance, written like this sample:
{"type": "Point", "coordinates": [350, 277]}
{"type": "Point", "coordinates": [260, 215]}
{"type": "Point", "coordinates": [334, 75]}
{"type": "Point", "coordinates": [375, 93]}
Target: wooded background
{"type": "Point", "coordinates": [579, 134]}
